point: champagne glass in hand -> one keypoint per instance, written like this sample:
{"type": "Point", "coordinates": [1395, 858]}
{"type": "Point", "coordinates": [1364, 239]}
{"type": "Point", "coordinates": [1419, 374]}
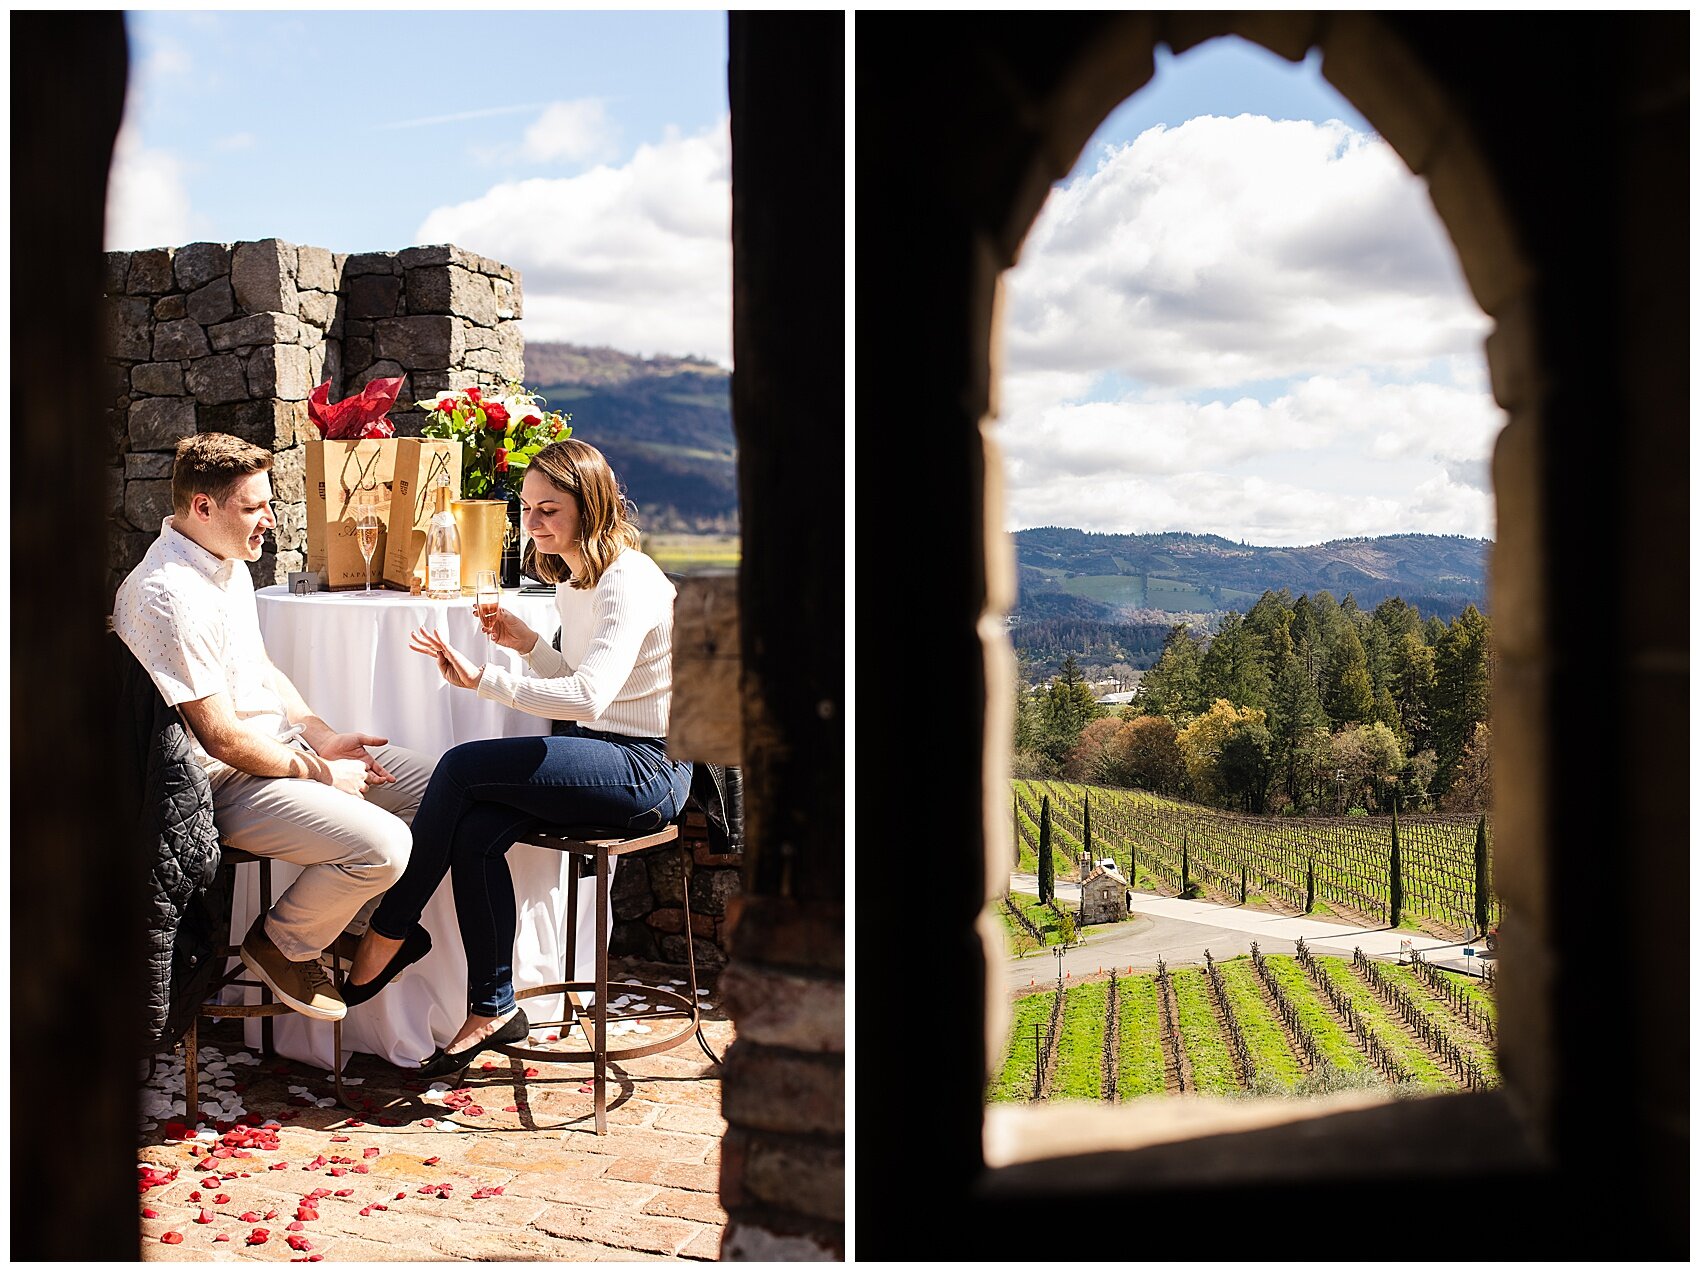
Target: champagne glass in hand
{"type": "Point", "coordinates": [366, 525]}
{"type": "Point", "coordinates": [486, 598]}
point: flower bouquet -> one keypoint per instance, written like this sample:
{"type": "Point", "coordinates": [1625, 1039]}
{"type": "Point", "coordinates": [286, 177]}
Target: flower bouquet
{"type": "Point", "coordinates": [500, 433]}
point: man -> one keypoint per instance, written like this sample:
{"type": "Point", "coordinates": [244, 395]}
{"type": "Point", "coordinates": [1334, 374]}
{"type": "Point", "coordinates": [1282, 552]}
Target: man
{"type": "Point", "coordinates": [285, 784]}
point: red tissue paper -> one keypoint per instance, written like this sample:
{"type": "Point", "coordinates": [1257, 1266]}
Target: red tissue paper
{"type": "Point", "coordinates": [364, 415]}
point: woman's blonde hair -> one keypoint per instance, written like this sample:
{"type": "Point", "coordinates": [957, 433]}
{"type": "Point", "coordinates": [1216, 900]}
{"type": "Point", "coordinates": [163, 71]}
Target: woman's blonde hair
{"type": "Point", "coordinates": [605, 523]}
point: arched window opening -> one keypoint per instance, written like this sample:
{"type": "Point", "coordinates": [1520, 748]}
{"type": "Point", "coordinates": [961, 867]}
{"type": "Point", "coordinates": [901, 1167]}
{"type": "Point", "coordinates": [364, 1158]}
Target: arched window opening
{"type": "Point", "coordinates": [1246, 422]}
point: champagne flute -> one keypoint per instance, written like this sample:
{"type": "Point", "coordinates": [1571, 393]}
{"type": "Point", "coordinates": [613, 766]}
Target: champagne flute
{"type": "Point", "coordinates": [486, 595]}
{"type": "Point", "coordinates": [366, 525]}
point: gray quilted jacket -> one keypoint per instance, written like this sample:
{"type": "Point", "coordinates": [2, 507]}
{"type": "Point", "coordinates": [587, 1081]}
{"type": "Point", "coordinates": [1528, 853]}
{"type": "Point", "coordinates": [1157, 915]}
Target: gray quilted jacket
{"type": "Point", "coordinates": [175, 832]}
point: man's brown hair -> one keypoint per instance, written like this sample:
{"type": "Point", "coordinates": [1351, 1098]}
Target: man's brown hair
{"type": "Point", "coordinates": [211, 464]}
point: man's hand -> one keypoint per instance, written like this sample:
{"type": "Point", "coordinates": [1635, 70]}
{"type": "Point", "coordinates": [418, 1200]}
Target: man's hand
{"type": "Point", "coordinates": [347, 775]}
{"type": "Point", "coordinates": [456, 667]}
{"type": "Point", "coordinates": [352, 746]}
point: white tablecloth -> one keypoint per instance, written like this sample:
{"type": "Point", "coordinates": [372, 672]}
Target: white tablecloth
{"type": "Point", "coordinates": [349, 657]}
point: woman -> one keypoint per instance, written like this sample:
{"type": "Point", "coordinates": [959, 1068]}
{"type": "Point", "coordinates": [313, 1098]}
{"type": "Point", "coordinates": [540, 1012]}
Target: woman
{"type": "Point", "coordinates": [612, 678]}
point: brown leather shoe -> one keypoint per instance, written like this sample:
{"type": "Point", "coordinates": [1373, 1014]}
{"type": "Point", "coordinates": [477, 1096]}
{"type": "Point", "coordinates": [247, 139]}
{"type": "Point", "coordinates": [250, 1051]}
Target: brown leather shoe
{"type": "Point", "coordinates": [304, 987]}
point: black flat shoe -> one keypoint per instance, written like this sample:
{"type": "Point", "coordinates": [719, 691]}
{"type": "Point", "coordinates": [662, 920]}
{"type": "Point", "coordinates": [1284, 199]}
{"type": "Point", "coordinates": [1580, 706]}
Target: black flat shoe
{"type": "Point", "coordinates": [442, 1063]}
{"type": "Point", "coordinates": [415, 946]}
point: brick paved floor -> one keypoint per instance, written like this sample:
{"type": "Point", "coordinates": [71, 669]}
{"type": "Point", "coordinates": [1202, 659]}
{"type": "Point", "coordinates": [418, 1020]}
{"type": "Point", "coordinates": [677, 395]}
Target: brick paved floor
{"type": "Point", "coordinates": [517, 1173]}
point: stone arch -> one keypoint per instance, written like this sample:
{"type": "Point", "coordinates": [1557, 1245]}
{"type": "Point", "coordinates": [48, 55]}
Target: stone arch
{"type": "Point", "coordinates": [1002, 108]}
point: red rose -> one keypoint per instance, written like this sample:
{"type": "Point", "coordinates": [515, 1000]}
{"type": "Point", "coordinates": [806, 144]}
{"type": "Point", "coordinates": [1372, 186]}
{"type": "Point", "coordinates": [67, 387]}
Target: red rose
{"type": "Point", "coordinates": [501, 460]}
{"type": "Point", "coordinates": [496, 416]}
{"type": "Point", "coordinates": [475, 394]}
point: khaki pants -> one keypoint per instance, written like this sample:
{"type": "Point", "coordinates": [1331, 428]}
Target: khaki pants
{"type": "Point", "coordinates": [351, 849]}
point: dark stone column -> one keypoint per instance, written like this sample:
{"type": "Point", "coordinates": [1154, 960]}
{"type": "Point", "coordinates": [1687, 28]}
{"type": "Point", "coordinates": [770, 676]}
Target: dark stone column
{"type": "Point", "coordinates": [77, 880]}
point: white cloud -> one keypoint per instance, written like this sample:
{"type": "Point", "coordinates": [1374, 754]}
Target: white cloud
{"type": "Point", "coordinates": [570, 131]}
{"type": "Point", "coordinates": [1224, 251]}
{"type": "Point", "coordinates": [638, 257]}
{"type": "Point", "coordinates": [1294, 355]}
{"type": "Point", "coordinates": [147, 201]}
{"type": "Point", "coordinates": [1411, 457]}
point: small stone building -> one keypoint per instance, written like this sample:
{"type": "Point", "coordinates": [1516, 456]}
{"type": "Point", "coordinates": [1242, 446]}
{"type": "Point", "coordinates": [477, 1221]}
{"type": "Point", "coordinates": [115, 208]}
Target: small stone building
{"type": "Point", "coordinates": [1103, 896]}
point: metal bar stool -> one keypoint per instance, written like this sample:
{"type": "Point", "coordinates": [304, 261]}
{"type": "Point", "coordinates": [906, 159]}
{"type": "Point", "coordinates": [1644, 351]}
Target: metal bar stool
{"type": "Point", "coordinates": [236, 975]}
{"type": "Point", "coordinates": [600, 844]}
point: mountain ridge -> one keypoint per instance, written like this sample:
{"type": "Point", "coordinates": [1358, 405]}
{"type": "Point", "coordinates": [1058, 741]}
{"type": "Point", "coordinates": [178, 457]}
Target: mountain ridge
{"type": "Point", "coordinates": [665, 424]}
{"type": "Point", "coordinates": [1073, 573]}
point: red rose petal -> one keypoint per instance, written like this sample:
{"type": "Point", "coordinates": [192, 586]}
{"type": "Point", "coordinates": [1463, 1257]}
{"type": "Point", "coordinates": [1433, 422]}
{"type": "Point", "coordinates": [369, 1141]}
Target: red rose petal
{"type": "Point", "coordinates": [221, 1199]}
{"type": "Point", "coordinates": [531, 1073]}
{"type": "Point", "coordinates": [428, 1122]}
{"type": "Point", "coordinates": [554, 1037]}
{"type": "Point", "coordinates": [378, 1205]}
{"type": "Point", "coordinates": [372, 1152]}
{"type": "Point", "coordinates": [270, 1214]}
{"type": "Point", "coordinates": [300, 1243]}
{"type": "Point", "coordinates": [362, 1169]}
{"type": "Point", "coordinates": [339, 1139]}
{"type": "Point", "coordinates": [366, 1210]}
{"type": "Point", "coordinates": [297, 1226]}
{"type": "Point", "coordinates": [432, 1161]}
{"type": "Point", "coordinates": [278, 1166]}
{"type": "Point", "coordinates": [345, 1192]}
{"type": "Point", "coordinates": [195, 1196]}
{"type": "Point", "coordinates": [172, 1238]}
{"type": "Point", "coordinates": [223, 1236]}
{"type": "Point", "coordinates": [250, 1216]}
{"type": "Point", "coordinates": [259, 1236]}
{"type": "Point", "coordinates": [401, 1196]}
{"type": "Point", "coordinates": [150, 1214]}
{"type": "Point", "coordinates": [206, 1216]}
{"type": "Point", "coordinates": [488, 1064]}
{"type": "Point", "coordinates": [354, 1121]}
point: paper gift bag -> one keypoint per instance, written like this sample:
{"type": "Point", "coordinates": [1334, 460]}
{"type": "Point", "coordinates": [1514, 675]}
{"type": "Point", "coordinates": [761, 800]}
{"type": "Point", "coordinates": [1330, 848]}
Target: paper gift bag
{"type": "Point", "coordinates": [335, 472]}
{"type": "Point", "coordinates": [419, 464]}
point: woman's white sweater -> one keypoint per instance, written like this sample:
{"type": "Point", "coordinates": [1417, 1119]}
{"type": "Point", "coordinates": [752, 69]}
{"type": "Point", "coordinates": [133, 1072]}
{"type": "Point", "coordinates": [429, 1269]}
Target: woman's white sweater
{"type": "Point", "coordinates": [614, 671]}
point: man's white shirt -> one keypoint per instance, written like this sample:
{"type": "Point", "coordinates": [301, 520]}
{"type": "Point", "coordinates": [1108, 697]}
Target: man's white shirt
{"type": "Point", "coordinates": [191, 620]}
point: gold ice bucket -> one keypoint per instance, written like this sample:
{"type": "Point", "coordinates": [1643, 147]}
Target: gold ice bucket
{"type": "Point", "coordinates": [483, 525]}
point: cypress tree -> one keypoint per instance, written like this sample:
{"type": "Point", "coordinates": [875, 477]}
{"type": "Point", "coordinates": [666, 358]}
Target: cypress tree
{"type": "Point", "coordinates": [1481, 877]}
{"type": "Point", "coordinates": [1186, 880]}
{"type": "Point", "coordinates": [1086, 830]}
{"type": "Point", "coordinates": [1046, 887]}
{"type": "Point", "coordinates": [1310, 883]}
{"type": "Point", "coordinates": [1242, 883]}
{"type": "Point", "coordinates": [1395, 885]}
{"type": "Point", "coordinates": [1015, 824]}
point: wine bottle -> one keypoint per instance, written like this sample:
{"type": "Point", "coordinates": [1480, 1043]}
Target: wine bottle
{"type": "Point", "coordinates": [442, 551]}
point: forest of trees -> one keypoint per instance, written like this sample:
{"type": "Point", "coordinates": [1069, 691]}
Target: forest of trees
{"type": "Point", "coordinates": [1307, 706]}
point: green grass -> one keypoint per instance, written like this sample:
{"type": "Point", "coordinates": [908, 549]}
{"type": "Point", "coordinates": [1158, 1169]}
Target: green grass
{"type": "Point", "coordinates": [1112, 589]}
{"type": "Point", "coordinates": [1080, 1045]}
{"type": "Point", "coordinates": [1410, 1054]}
{"type": "Point", "coordinates": [1465, 1038]}
{"type": "Point", "coordinates": [1272, 1057]}
{"type": "Point", "coordinates": [1212, 1063]}
{"type": "Point", "coordinates": [1141, 1070]}
{"type": "Point", "coordinates": [693, 553]}
{"type": "Point", "coordinates": [1040, 914]}
{"type": "Point", "coordinates": [1333, 1042]}
{"type": "Point", "coordinates": [1015, 1081]}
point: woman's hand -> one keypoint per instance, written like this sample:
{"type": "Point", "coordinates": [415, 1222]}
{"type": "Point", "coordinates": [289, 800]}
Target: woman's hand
{"type": "Point", "coordinates": [508, 630]}
{"type": "Point", "coordinates": [456, 667]}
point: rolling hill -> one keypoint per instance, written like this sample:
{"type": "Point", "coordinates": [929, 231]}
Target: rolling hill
{"type": "Point", "coordinates": [1122, 578]}
{"type": "Point", "coordinates": [664, 423]}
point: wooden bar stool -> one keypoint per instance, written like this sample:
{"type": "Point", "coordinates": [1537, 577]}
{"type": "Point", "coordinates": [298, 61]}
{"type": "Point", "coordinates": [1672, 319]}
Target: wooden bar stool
{"type": "Point", "coordinates": [236, 975]}
{"type": "Point", "coordinates": [600, 844]}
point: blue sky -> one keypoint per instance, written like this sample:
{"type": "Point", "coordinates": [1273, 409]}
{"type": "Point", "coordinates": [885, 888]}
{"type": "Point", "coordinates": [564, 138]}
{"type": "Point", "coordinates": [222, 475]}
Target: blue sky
{"type": "Point", "coordinates": [1240, 315]}
{"type": "Point", "coordinates": [578, 147]}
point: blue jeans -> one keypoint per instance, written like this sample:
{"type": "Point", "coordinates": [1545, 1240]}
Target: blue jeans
{"type": "Point", "coordinates": [485, 795]}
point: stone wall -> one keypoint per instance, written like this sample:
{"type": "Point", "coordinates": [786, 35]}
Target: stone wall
{"type": "Point", "coordinates": [233, 337]}
{"type": "Point", "coordinates": [649, 901]}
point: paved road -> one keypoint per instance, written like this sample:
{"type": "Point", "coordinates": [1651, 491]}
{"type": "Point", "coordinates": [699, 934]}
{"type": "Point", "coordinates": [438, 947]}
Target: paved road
{"type": "Point", "coordinates": [1180, 931]}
